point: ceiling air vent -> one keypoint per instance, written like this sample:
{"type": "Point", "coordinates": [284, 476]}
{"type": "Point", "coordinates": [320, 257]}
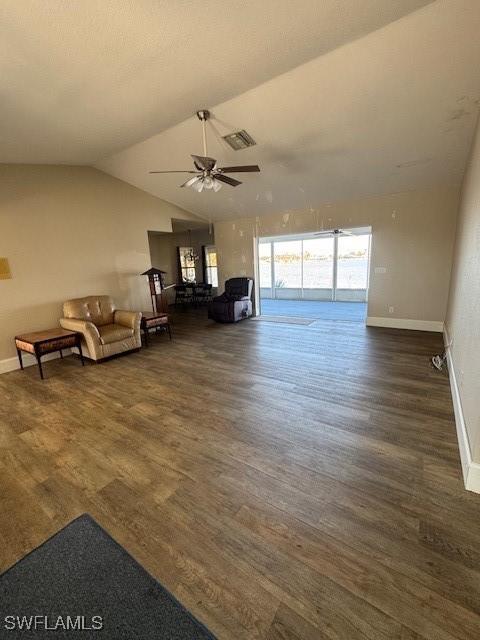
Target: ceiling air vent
{"type": "Point", "coordinates": [239, 140]}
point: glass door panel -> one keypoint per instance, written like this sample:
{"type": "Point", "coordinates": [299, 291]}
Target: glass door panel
{"type": "Point", "coordinates": [287, 257]}
{"type": "Point", "coordinates": [352, 268]}
{"type": "Point", "coordinates": [318, 256]}
{"type": "Point", "coordinates": [265, 266]}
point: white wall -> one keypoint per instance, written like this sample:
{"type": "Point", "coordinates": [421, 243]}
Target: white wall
{"type": "Point", "coordinates": [412, 237]}
{"type": "Point", "coordinates": [463, 315]}
{"type": "Point", "coordinates": [69, 232]}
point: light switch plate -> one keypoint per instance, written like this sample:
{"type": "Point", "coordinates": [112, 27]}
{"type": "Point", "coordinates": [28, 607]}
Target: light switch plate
{"type": "Point", "coordinates": [380, 270]}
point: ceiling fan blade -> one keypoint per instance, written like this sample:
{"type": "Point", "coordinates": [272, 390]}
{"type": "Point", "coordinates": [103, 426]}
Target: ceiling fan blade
{"type": "Point", "coordinates": [334, 232]}
{"type": "Point", "coordinates": [187, 171]}
{"type": "Point", "coordinates": [231, 181]}
{"type": "Point", "coordinates": [191, 181]}
{"type": "Point", "coordinates": [204, 162]}
{"type": "Point", "coordinates": [241, 169]}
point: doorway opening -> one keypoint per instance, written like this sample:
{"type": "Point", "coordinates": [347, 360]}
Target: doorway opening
{"type": "Point", "coordinates": [188, 258]}
{"type": "Point", "coordinates": [320, 276]}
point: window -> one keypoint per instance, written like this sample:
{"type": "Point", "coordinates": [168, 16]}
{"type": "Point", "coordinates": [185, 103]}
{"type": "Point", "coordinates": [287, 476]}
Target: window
{"type": "Point", "coordinates": [211, 268]}
{"type": "Point", "coordinates": [187, 264]}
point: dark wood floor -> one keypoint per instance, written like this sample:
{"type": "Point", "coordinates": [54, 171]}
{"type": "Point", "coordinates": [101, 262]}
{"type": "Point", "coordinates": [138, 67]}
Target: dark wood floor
{"type": "Point", "coordinates": [283, 481]}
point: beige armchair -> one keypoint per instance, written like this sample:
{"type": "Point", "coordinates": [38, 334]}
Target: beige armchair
{"type": "Point", "coordinates": [106, 331]}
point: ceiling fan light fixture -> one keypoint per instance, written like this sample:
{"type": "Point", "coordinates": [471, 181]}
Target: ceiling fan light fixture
{"type": "Point", "coordinates": [191, 182]}
{"type": "Point", "coordinates": [209, 175]}
{"type": "Point", "coordinates": [208, 182]}
{"type": "Point", "coordinates": [197, 184]}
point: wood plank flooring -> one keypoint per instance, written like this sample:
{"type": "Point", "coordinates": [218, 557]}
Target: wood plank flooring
{"type": "Point", "coordinates": [282, 481]}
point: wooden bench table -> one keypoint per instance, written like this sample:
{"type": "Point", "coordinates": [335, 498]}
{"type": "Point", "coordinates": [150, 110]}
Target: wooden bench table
{"type": "Point", "coordinates": [39, 343]}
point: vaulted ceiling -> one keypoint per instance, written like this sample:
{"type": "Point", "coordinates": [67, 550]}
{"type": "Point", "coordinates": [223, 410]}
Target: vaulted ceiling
{"type": "Point", "coordinates": [344, 97]}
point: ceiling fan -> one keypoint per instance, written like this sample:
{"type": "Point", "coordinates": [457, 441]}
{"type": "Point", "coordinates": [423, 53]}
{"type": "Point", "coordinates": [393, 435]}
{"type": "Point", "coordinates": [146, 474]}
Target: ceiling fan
{"type": "Point", "coordinates": [207, 174]}
{"type": "Point", "coordinates": [334, 232]}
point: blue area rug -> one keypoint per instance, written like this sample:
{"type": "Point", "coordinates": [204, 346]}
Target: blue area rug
{"type": "Point", "coordinates": [82, 584]}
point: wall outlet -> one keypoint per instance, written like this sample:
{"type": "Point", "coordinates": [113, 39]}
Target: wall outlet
{"type": "Point", "coordinates": [391, 309]}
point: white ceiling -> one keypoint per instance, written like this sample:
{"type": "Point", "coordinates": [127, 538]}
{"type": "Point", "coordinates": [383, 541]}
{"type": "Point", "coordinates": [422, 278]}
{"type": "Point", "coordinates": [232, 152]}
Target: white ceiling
{"type": "Point", "coordinates": [359, 97]}
{"type": "Point", "coordinates": [82, 79]}
{"type": "Point", "coordinates": [392, 111]}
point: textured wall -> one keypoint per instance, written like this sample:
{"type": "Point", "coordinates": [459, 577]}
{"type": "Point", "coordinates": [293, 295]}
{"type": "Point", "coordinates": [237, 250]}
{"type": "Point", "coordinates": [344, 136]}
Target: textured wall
{"type": "Point", "coordinates": [68, 232]}
{"type": "Point", "coordinates": [413, 235]}
{"type": "Point", "coordinates": [463, 316]}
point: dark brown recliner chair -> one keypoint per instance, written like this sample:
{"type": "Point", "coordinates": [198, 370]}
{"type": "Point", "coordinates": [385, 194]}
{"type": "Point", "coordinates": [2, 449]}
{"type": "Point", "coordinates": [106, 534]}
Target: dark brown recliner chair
{"type": "Point", "coordinates": [235, 303]}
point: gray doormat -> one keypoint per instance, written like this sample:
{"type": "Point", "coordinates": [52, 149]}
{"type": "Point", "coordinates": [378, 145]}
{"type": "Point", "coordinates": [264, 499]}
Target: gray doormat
{"type": "Point", "coordinates": [82, 584]}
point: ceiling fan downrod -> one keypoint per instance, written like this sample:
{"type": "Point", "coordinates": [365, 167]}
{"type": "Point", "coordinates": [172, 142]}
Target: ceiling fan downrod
{"type": "Point", "coordinates": [203, 115]}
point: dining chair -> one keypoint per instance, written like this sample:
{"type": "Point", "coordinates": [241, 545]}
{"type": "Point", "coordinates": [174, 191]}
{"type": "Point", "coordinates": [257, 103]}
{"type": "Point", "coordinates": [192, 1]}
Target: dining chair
{"type": "Point", "coordinates": [182, 296]}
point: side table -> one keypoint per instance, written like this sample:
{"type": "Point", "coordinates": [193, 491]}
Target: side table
{"type": "Point", "coordinates": [39, 343]}
{"type": "Point", "coordinates": [154, 320]}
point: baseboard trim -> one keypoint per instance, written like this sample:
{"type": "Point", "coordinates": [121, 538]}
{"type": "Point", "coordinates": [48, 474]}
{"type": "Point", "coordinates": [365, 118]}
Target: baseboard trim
{"type": "Point", "coordinates": [470, 469]}
{"type": "Point", "coordinates": [11, 364]}
{"type": "Point", "coordinates": [406, 323]}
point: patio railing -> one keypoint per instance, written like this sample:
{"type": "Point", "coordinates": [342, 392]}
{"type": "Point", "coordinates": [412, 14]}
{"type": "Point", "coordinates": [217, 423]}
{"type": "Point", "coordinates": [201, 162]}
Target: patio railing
{"type": "Point", "coordinates": [288, 293]}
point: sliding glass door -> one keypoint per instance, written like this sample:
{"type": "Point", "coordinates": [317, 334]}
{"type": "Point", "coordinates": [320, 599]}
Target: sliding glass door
{"type": "Point", "coordinates": [318, 269]}
{"type": "Point", "coordinates": [265, 268]}
{"type": "Point", "coordinates": [287, 262]}
{"type": "Point", "coordinates": [333, 268]}
{"type": "Point", "coordinates": [352, 268]}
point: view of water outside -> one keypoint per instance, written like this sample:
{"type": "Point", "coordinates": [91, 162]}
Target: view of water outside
{"type": "Point", "coordinates": [352, 266]}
